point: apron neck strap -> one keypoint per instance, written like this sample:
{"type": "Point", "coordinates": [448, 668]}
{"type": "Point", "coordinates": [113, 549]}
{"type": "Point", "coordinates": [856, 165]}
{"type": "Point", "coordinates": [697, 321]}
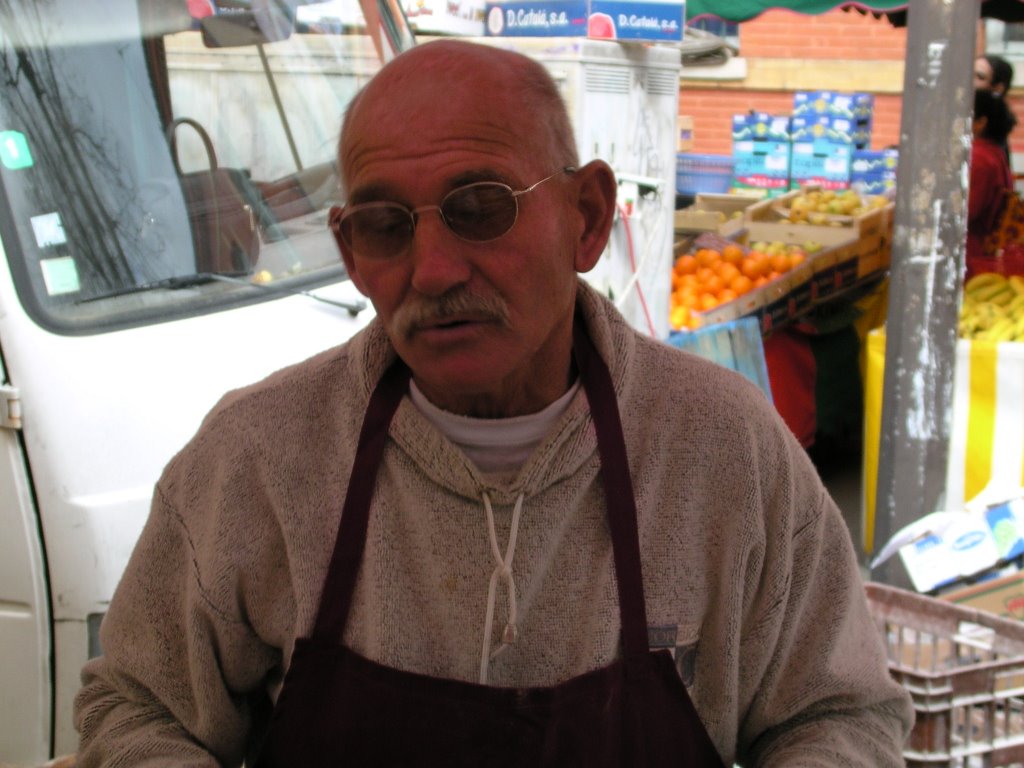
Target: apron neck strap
{"type": "Point", "coordinates": [618, 490]}
{"type": "Point", "coordinates": [339, 584]}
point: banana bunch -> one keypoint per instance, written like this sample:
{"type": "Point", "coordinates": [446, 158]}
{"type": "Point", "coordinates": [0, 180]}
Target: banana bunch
{"type": "Point", "coordinates": [993, 308]}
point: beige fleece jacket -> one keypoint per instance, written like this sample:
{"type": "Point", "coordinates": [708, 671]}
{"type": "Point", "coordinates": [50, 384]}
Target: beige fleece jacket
{"type": "Point", "coordinates": [748, 568]}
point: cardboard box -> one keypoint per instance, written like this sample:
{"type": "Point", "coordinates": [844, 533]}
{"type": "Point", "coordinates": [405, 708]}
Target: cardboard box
{"type": "Point", "coordinates": [714, 213]}
{"type": "Point", "coordinates": [761, 152]}
{"type": "Point", "coordinates": [964, 548]}
{"type": "Point", "coordinates": [874, 172]}
{"type": "Point", "coordinates": [660, 22]}
{"type": "Point", "coordinates": [822, 130]}
{"type": "Point", "coordinates": [853, 106]}
{"type": "Point", "coordinates": [867, 162]}
{"type": "Point", "coordinates": [823, 148]}
{"type": "Point", "coordinates": [1002, 596]}
{"type": "Point", "coordinates": [822, 164]}
{"type": "Point", "coordinates": [867, 186]}
{"type": "Point", "coordinates": [774, 215]}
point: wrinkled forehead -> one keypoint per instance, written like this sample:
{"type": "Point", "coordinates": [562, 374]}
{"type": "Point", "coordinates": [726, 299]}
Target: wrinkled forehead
{"type": "Point", "coordinates": [440, 98]}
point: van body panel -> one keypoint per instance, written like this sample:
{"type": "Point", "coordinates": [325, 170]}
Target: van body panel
{"type": "Point", "coordinates": [26, 695]}
{"type": "Point", "coordinates": [82, 397]}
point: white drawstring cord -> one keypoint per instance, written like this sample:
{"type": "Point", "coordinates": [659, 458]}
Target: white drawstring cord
{"type": "Point", "coordinates": [503, 570]}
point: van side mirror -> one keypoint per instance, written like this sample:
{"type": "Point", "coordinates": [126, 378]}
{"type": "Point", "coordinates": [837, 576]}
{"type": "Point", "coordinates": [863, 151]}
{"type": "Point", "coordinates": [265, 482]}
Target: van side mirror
{"type": "Point", "coordinates": [264, 21]}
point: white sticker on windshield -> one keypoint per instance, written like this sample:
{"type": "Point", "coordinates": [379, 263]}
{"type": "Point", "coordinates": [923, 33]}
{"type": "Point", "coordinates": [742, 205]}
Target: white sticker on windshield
{"type": "Point", "coordinates": [49, 229]}
{"type": "Point", "coordinates": [60, 275]}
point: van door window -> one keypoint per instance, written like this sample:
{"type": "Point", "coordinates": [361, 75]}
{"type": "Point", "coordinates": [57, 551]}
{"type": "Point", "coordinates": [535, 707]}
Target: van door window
{"type": "Point", "coordinates": [155, 164]}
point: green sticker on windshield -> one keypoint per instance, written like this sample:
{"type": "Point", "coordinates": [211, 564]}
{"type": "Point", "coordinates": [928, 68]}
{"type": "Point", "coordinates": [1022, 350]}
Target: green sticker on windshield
{"type": "Point", "coordinates": [60, 275]}
{"type": "Point", "coordinates": [14, 151]}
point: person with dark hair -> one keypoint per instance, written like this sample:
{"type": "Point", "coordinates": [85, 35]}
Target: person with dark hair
{"type": "Point", "coordinates": [991, 178]}
{"type": "Point", "coordinates": [993, 73]}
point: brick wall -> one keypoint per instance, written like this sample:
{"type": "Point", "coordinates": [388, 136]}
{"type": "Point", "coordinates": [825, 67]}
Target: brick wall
{"type": "Point", "coordinates": [788, 52]}
{"type": "Point", "coordinates": [833, 35]}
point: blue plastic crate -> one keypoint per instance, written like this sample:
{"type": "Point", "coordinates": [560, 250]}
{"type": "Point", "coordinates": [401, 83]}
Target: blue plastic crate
{"type": "Point", "coordinates": [703, 173]}
{"type": "Point", "coordinates": [736, 344]}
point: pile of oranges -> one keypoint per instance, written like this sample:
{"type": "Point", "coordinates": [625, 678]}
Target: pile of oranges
{"type": "Point", "coordinates": [708, 278]}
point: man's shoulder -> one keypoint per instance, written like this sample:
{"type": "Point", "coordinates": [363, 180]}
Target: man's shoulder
{"type": "Point", "coordinates": [320, 389]}
{"type": "Point", "coordinates": [298, 380]}
{"type": "Point", "coordinates": [683, 369]}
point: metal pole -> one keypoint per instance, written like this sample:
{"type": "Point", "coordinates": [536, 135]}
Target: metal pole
{"type": "Point", "coordinates": [925, 280]}
{"type": "Point", "coordinates": [280, 107]}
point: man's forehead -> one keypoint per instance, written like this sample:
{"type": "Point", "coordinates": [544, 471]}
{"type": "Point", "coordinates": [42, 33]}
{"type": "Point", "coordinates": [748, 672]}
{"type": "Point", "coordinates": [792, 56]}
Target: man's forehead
{"type": "Point", "coordinates": [393, 125]}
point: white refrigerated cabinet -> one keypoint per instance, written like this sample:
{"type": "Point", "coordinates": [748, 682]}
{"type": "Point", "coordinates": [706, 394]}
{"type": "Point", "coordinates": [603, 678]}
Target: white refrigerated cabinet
{"type": "Point", "coordinates": [623, 99]}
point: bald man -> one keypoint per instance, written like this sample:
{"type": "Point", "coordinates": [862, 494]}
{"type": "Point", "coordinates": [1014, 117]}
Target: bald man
{"type": "Point", "coordinates": [498, 526]}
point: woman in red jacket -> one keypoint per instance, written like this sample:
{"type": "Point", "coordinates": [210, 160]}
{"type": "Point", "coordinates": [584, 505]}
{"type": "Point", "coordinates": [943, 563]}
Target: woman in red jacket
{"type": "Point", "coordinates": [991, 178]}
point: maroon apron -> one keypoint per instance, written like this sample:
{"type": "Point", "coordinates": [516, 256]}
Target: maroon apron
{"type": "Point", "coordinates": [337, 708]}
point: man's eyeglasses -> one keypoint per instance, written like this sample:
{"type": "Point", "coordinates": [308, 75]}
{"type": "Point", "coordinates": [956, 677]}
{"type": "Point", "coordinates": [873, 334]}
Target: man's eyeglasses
{"type": "Point", "coordinates": [477, 212]}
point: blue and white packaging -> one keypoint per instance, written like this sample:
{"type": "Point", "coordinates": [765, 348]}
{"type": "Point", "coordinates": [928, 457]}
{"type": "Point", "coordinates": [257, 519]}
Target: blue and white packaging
{"type": "Point", "coordinates": [761, 152]}
{"type": "Point", "coordinates": [854, 106]}
{"type": "Point", "coordinates": [965, 547]}
{"type": "Point", "coordinates": [873, 172]}
{"type": "Point", "coordinates": [826, 165]}
{"type": "Point", "coordinates": [601, 19]}
{"type": "Point", "coordinates": [944, 547]}
{"type": "Point", "coordinates": [867, 162]}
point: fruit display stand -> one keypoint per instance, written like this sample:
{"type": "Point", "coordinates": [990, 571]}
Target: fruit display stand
{"type": "Point", "coordinates": [717, 280]}
{"type": "Point", "coordinates": [805, 312]}
{"type": "Point", "coordinates": [823, 262]}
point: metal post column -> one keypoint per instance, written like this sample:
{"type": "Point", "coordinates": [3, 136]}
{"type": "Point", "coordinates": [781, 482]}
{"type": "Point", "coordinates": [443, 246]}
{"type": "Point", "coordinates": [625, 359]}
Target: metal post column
{"type": "Point", "coordinates": [926, 275]}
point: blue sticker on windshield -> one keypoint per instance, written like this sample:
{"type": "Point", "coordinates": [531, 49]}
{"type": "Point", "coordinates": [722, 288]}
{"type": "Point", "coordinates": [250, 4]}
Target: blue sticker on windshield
{"type": "Point", "coordinates": [14, 151]}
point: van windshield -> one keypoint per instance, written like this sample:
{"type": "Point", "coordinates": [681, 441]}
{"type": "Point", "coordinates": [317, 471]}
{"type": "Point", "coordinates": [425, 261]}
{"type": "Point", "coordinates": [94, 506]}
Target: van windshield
{"type": "Point", "coordinates": [169, 157]}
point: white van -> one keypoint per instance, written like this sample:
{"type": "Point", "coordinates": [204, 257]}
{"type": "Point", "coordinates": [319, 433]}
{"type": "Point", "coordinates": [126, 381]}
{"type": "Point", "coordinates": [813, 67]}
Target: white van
{"type": "Point", "coordinates": [137, 286]}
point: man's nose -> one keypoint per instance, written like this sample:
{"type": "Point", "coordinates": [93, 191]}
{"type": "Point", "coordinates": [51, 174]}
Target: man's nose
{"type": "Point", "coordinates": [438, 256]}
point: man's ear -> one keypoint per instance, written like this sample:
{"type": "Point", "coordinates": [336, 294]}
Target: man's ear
{"type": "Point", "coordinates": [595, 200]}
{"type": "Point", "coordinates": [346, 255]}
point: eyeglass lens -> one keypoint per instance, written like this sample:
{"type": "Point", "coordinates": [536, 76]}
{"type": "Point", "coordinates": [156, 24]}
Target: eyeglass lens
{"type": "Point", "coordinates": [477, 212]}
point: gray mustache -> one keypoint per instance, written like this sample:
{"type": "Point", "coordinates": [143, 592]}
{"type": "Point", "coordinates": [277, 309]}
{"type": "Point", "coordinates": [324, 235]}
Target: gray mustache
{"type": "Point", "coordinates": [431, 309]}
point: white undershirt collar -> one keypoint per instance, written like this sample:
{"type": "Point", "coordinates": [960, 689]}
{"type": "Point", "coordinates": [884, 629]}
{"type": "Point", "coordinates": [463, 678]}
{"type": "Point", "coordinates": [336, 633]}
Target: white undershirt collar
{"type": "Point", "coordinates": [494, 445]}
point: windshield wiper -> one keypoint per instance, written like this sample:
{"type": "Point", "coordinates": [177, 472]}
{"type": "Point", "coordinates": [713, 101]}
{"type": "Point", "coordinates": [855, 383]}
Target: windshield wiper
{"type": "Point", "coordinates": [166, 283]}
{"type": "Point", "coordinates": [201, 278]}
{"type": "Point", "coordinates": [352, 308]}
